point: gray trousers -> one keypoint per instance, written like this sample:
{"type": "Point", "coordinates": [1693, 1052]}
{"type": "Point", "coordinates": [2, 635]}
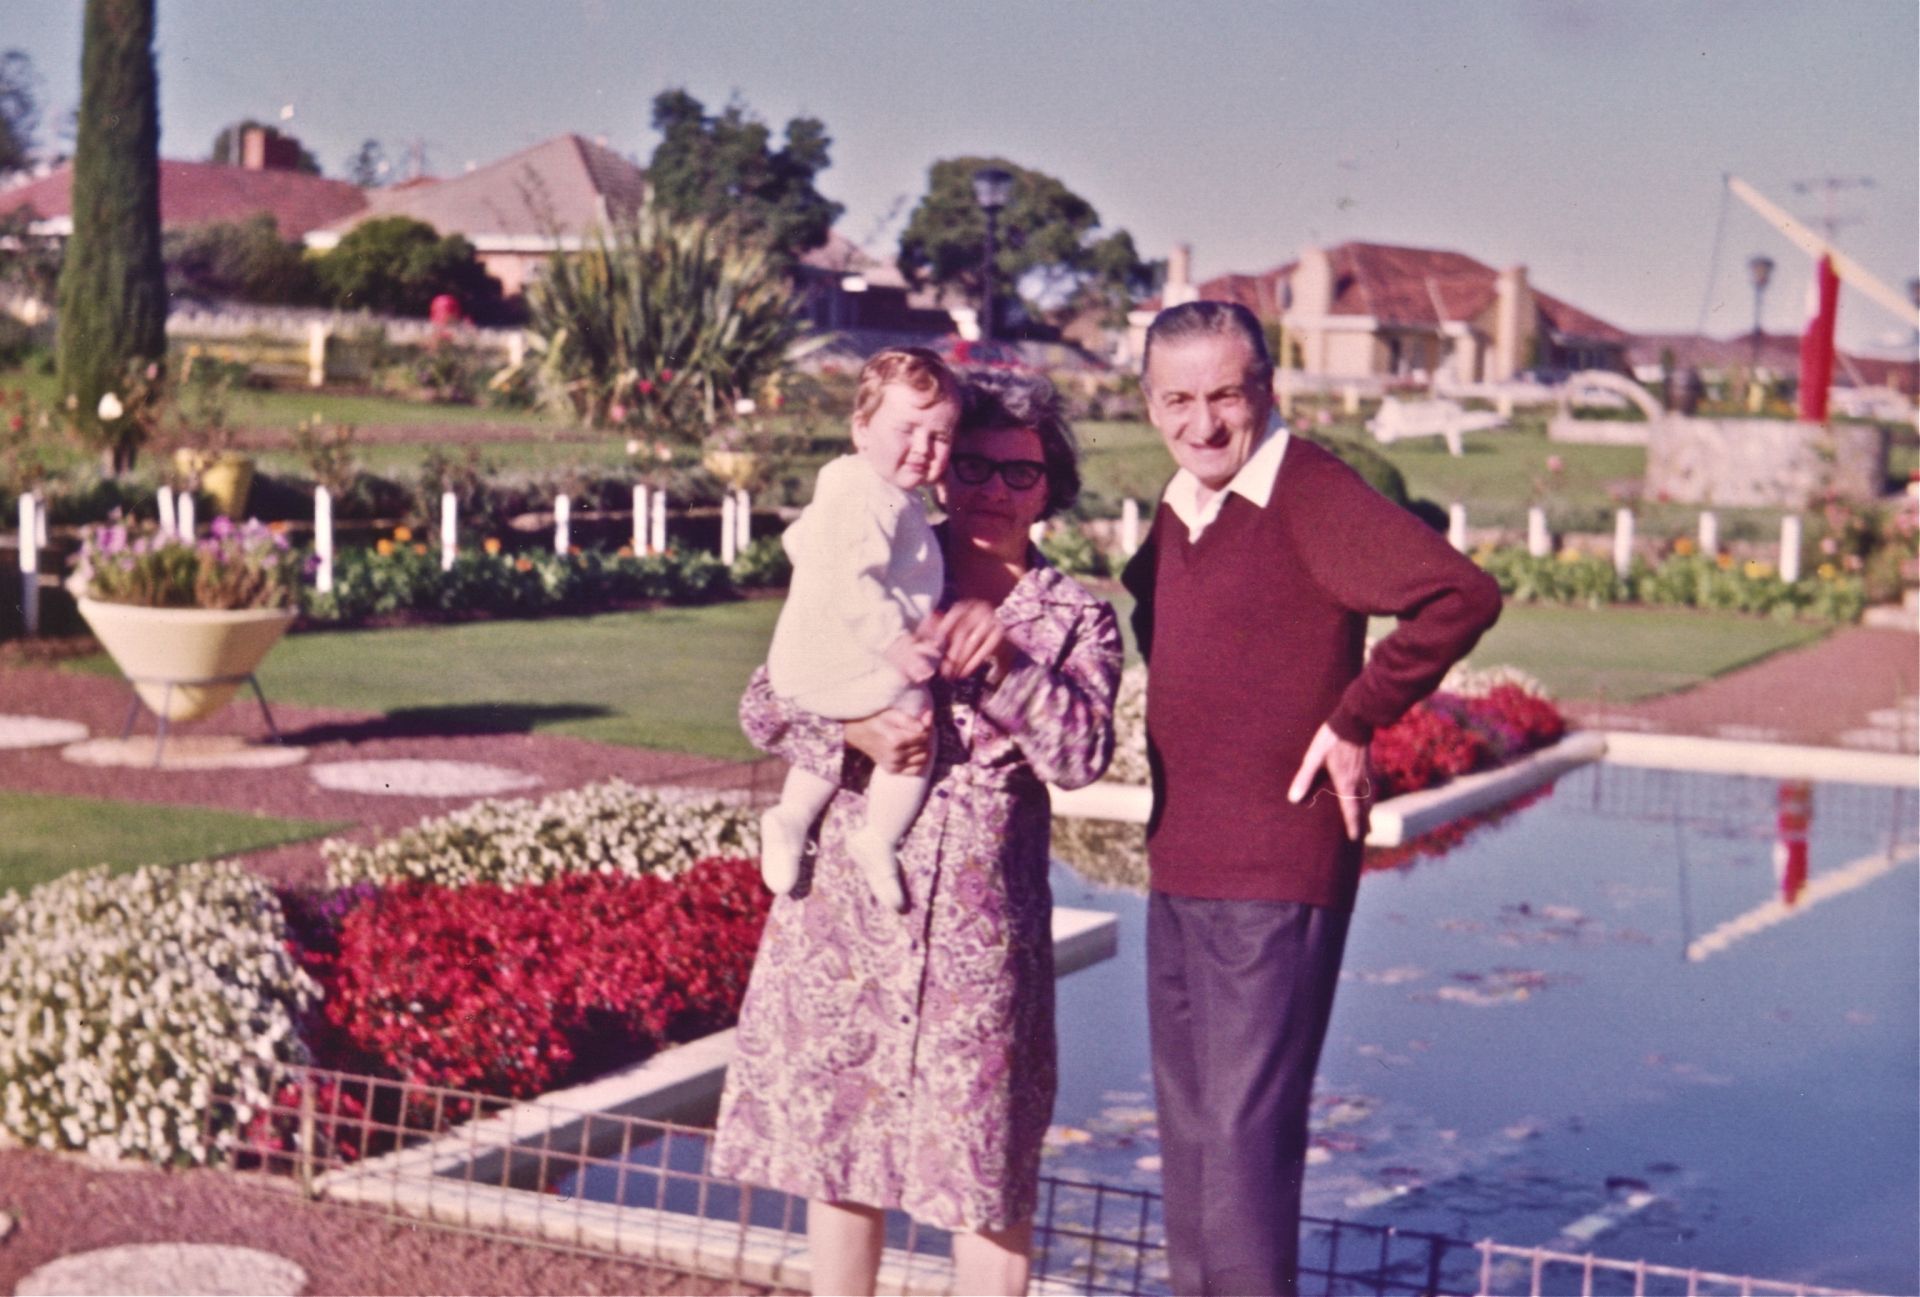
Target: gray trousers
{"type": "Point", "coordinates": [1238, 998]}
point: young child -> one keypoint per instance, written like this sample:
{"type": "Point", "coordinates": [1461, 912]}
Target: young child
{"type": "Point", "coordinates": [867, 572]}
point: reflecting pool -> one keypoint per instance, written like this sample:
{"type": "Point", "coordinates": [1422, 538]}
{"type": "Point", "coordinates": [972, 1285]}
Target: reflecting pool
{"type": "Point", "coordinates": [1654, 1014]}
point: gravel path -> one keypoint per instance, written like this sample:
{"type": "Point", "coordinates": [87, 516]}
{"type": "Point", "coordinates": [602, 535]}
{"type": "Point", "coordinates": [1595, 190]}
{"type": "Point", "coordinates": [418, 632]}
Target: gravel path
{"type": "Point", "coordinates": [65, 1204]}
{"type": "Point", "coordinates": [329, 736]}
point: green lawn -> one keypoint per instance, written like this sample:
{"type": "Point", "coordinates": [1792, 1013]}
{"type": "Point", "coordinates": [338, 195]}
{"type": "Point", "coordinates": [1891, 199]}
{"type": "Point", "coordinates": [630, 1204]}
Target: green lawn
{"type": "Point", "coordinates": [1625, 654]}
{"type": "Point", "coordinates": [667, 678]}
{"type": "Point", "coordinates": [49, 836]}
{"type": "Point", "coordinates": [671, 678]}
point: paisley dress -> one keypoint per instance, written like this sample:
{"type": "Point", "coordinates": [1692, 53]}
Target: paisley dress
{"type": "Point", "coordinates": [908, 1060]}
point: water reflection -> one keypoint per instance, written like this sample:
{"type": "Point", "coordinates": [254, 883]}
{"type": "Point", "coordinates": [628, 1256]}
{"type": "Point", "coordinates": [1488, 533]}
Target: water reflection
{"type": "Point", "coordinates": [1517, 1051]}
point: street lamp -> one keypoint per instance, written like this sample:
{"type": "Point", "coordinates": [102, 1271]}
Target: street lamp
{"type": "Point", "coordinates": [991, 189]}
{"type": "Point", "coordinates": [1760, 268]}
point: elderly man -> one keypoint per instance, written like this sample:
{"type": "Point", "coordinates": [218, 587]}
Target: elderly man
{"type": "Point", "coordinates": [1254, 587]}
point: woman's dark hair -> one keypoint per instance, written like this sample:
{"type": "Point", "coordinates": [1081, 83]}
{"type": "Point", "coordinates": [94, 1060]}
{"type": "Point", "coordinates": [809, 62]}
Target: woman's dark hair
{"type": "Point", "coordinates": [993, 399]}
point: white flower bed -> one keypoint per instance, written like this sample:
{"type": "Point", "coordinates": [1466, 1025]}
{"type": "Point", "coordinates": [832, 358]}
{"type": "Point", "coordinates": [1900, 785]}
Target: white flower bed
{"type": "Point", "coordinates": [610, 828]}
{"type": "Point", "coordinates": [127, 1003]}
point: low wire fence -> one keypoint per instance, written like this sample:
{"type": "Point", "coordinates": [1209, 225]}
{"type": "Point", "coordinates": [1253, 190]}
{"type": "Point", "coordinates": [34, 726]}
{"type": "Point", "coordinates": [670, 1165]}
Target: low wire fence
{"type": "Point", "coordinates": [612, 1184]}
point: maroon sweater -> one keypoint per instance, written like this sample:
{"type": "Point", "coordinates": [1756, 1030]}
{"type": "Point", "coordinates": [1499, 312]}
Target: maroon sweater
{"type": "Point", "coordinates": [1254, 636]}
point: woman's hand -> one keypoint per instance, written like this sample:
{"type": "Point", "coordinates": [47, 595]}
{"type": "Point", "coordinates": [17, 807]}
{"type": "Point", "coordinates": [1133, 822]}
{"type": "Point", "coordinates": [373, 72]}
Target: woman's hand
{"type": "Point", "coordinates": [898, 743]}
{"type": "Point", "coordinates": [974, 638]}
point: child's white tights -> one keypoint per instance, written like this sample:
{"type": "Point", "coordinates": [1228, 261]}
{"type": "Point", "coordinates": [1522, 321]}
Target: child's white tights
{"type": "Point", "coordinates": [893, 800]}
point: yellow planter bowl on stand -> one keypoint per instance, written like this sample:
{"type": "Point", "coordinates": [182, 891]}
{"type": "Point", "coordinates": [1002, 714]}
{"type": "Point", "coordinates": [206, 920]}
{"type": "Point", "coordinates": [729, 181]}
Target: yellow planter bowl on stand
{"type": "Point", "coordinates": [185, 663]}
{"type": "Point", "coordinates": [227, 478]}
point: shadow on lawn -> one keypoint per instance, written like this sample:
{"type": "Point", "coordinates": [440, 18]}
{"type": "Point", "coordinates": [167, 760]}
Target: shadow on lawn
{"type": "Point", "coordinates": [450, 719]}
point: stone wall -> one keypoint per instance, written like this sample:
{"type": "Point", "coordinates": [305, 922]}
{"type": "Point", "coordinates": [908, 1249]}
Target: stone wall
{"type": "Point", "coordinates": [1762, 461]}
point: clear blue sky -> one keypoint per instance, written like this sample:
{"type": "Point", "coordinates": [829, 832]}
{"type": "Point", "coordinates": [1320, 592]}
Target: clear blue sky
{"type": "Point", "coordinates": [1586, 140]}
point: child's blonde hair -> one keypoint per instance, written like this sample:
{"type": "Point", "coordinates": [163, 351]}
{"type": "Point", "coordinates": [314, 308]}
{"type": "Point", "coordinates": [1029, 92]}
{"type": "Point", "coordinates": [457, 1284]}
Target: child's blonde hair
{"type": "Point", "coordinates": [915, 367]}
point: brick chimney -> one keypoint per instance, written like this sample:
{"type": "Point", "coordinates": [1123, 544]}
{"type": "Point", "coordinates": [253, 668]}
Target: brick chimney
{"type": "Point", "coordinates": [264, 149]}
{"type": "Point", "coordinates": [1514, 323]}
{"type": "Point", "coordinates": [1179, 286]}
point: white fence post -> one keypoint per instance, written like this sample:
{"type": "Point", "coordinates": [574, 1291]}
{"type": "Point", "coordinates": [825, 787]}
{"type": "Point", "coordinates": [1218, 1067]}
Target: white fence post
{"type": "Point", "coordinates": [659, 539]}
{"type": "Point", "coordinates": [449, 529]}
{"type": "Point", "coordinates": [729, 510]}
{"type": "Point", "coordinates": [1790, 539]}
{"type": "Point", "coordinates": [1129, 525]}
{"type": "Point", "coordinates": [164, 498]}
{"type": "Point", "coordinates": [317, 354]}
{"type": "Point", "coordinates": [1457, 526]}
{"type": "Point", "coordinates": [184, 516]}
{"type": "Point", "coordinates": [639, 520]}
{"type": "Point", "coordinates": [1622, 541]}
{"type": "Point", "coordinates": [742, 520]}
{"type": "Point", "coordinates": [30, 562]}
{"type": "Point", "coordinates": [1709, 533]}
{"type": "Point", "coordinates": [562, 525]}
{"type": "Point", "coordinates": [1539, 543]}
{"type": "Point", "coordinates": [323, 538]}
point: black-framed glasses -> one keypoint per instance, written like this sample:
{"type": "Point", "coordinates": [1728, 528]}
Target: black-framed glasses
{"type": "Point", "coordinates": [1018, 474]}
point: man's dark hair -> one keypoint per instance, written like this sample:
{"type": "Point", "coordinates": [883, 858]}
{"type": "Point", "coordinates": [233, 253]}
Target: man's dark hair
{"type": "Point", "coordinates": [1199, 319]}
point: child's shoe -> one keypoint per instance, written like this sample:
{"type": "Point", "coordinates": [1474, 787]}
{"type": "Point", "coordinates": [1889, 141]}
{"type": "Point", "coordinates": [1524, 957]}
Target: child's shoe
{"type": "Point", "coordinates": [874, 855]}
{"type": "Point", "coordinates": [782, 842]}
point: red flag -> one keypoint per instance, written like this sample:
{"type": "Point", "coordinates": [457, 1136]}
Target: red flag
{"type": "Point", "coordinates": [1816, 344]}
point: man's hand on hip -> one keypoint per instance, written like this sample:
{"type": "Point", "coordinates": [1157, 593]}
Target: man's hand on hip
{"type": "Point", "coordinates": [1347, 773]}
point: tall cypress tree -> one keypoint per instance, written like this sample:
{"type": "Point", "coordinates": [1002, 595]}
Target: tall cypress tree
{"type": "Point", "coordinates": [113, 288]}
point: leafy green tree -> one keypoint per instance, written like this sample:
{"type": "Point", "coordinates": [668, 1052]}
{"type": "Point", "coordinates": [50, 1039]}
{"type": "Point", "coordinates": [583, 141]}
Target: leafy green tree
{"type": "Point", "coordinates": [395, 265]}
{"type": "Point", "coordinates": [659, 325]}
{"type": "Point", "coordinates": [113, 291]}
{"type": "Point", "coordinates": [1047, 238]}
{"type": "Point", "coordinates": [722, 167]}
{"type": "Point", "coordinates": [245, 261]}
{"type": "Point", "coordinates": [227, 146]}
{"type": "Point", "coordinates": [19, 110]}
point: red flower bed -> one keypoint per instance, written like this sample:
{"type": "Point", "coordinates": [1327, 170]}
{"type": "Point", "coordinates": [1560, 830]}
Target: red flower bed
{"type": "Point", "coordinates": [512, 992]}
{"type": "Point", "coordinates": [1449, 735]}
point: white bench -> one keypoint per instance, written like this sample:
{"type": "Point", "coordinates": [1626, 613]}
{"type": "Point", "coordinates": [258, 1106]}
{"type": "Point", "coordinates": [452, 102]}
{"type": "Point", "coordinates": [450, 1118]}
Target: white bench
{"type": "Point", "coordinates": [1397, 420]}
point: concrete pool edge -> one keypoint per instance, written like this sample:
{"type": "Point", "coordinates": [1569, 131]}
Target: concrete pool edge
{"type": "Point", "coordinates": [1394, 820]}
{"type": "Point", "coordinates": [1763, 760]}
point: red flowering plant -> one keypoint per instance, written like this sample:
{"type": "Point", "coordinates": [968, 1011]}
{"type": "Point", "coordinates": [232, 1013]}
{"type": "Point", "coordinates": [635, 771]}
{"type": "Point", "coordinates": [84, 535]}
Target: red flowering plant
{"type": "Point", "coordinates": [512, 991]}
{"type": "Point", "coordinates": [1450, 735]}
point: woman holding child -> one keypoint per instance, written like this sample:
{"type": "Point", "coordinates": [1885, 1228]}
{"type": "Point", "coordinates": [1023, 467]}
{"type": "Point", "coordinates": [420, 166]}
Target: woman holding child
{"type": "Point", "coordinates": [906, 1058]}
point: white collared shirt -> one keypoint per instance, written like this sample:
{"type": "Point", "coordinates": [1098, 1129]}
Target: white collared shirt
{"type": "Point", "coordinates": [1254, 481]}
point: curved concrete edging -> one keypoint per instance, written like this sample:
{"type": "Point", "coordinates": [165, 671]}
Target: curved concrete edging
{"type": "Point", "coordinates": [1394, 820]}
{"type": "Point", "coordinates": [1765, 760]}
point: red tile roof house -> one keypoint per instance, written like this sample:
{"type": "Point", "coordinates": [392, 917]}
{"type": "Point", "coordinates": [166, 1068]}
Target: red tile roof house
{"type": "Point", "coordinates": [515, 211]}
{"type": "Point", "coordinates": [201, 193]}
{"type": "Point", "coordinates": [1376, 311]}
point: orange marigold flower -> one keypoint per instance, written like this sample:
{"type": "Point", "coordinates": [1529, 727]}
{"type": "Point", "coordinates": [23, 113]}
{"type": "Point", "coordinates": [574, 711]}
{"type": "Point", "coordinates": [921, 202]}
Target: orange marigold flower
{"type": "Point", "coordinates": [491, 544]}
{"type": "Point", "coordinates": [523, 564]}
{"type": "Point", "coordinates": [419, 549]}
{"type": "Point", "coordinates": [1683, 546]}
{"type": "Point", "coordinates": [403, 534]}
{"type": "Point", "coordinates": [625, 551]}
{"type": "Point", "coordinates": [384, 548]}
{"type": "Point", "coordinates": [1725, 561]}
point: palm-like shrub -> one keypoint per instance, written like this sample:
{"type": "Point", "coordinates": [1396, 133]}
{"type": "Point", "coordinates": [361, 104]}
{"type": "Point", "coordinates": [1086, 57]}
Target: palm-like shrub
{"type": "Point", "coordinates": [659, 324]}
